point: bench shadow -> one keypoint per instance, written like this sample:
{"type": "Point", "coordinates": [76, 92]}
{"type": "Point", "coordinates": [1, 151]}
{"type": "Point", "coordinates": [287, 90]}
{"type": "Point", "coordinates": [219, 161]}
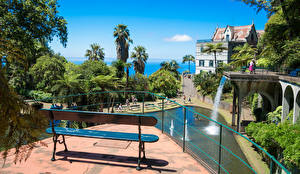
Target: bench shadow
{"type": "Point", "coordinates": [113, 158]}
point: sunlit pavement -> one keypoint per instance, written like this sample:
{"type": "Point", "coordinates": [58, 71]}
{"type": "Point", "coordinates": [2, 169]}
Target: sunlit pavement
{"type": "Point", "coordinates": [88, 155]}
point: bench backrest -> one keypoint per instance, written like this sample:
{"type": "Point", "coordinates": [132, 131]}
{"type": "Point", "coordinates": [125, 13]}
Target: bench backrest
{"type": "Point", "coordinates": [99, 117]}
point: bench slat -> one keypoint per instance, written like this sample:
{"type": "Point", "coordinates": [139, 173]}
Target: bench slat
{"type": "Point", "coordinates": [99, 117]}
{"type": "Point", "coordinates": [103, 134]}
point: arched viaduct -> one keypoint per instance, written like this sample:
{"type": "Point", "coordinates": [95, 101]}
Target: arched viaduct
{"type": "Point", "coordinates": [276, 90]}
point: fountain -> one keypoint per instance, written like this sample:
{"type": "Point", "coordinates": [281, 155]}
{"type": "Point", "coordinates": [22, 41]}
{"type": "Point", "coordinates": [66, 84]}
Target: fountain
{"type": "Point", "coordinates": [212, 128]}
{"type": "Point", "coordinates": [172, 128]}
{"type": "Point", "coordinates": [186, 132]}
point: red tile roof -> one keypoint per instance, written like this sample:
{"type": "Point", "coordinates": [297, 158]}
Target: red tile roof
{"type": "Point", "coordinates": [238, 33]}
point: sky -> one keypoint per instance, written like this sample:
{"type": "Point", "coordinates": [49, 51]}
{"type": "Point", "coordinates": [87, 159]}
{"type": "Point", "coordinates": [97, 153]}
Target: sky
{"type": "Point", "coordinates": [168, 29]}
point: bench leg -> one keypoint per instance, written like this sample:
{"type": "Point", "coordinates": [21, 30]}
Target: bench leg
{"type": "Point", "coordinates": [64, 140]}
{"type": "Point", "coordinates": [55, 137]}
{"type": "Point", "coordinates": [144, 156]}
{"type": "Point", "coordinates": [139, 160]}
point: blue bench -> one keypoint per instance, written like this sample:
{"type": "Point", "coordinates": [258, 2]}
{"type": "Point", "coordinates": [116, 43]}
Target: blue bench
{"type": "Point", "coordinates": [99, 117]}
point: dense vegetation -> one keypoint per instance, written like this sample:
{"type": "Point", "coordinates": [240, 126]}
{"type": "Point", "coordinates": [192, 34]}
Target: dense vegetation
{"type": "Point", "coordinates": [278, 138]}
{"type": "Point", "coordinates": [29, 69]}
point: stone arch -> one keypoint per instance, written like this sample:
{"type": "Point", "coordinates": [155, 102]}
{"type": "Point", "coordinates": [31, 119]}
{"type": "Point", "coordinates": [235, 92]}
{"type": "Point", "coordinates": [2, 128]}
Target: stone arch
{"type": "Point", "coordinates": [296, 107]}
{"type": "Point", "coordinates": [268, 104]}
{"type": "Point", "coordinates": [287, 102]}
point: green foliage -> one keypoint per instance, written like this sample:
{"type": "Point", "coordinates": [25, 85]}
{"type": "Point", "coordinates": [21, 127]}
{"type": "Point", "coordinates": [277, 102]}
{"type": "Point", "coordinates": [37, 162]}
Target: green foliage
{"type": "Point", "coordinates": [163, 81]}
{"type": "Point", "coordinates": [254, 103]}
{"type": "Point", "coordinates": [206, 83]}
{"type": "Point", "coordinates": [140, 82]}
{"type": "Point", "coordinates": [26, 28]}
{"type": "Point", "coordinates": [189, 59]}
{"type": "Point", "coordinates": [214, 48]}
{"type": "Point", "coordinates": [276, 138]}
{"type": "Point", "coordinates": [275, 116]}
{"type": "Point", "coordinates": [40, 96]}
{"type": "Point", "coordinates": [95, 53]}
{"type": "Point", "coordinates": [139, 57]}
{"type": "Point", "coordinates": [243, 55]}
{"type": "Point", "coordinates": [119, 65]}
{"type": "Point", "coordinates": [89, 69]}
{"type": "Point", "coordinates": [27, 23]}
{"type": "Point", "coordinates": [20, 130]}
{"type": "Point", "coordinates": [46, 72]}
{"type": "Point", "coordinates": [172, 67]}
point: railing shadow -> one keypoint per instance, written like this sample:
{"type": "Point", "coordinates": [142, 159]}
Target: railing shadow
{"type": "Point", "coordinates": [113, 158]}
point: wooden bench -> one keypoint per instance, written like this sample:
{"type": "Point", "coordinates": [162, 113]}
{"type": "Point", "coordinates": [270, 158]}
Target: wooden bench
{"type": "Point", "coordinates": [98, 117]}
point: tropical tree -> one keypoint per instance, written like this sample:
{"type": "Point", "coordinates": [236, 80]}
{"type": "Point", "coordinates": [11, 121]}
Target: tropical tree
{"type": "Point", "coordinates": [68, 84]}
{"type": "Point", "coordinates": [188, 58]}
{"type": "Point", "coordinates": [163, 81]}
{"type": "Point", "coordinates": [121, 33]}
{"type": "Point", "coordinates": [127, 66]}
{"type": "Point", "coordinates": [46, 72]}
{"type": "Point", "coordinates": [103, 83]}
{"type": "Point", "coordinates": [139, 57]}
{"type": "Point", "coordinates": [172, 67]}
{"type": "Point", "coordinates": [95, 53]}
{"type": "Point", "coordinates": [214, 48]}
{"type": "Point", "coordinates": [243, 55]}
{"type": "Point", "coordinates": [288, 8]}
{"type": "Point", "coordinates": [119, 65]}
{"type": "Point", "coordinates": [23, 23]}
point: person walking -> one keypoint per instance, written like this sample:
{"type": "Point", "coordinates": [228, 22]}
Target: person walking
{"type": "Point", "coordinates": [251, 66]}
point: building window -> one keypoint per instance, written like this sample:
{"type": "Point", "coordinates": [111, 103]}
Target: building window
{"type": "Point", "coordinates": [201, 62]}
{"type": "Point", "coordinates": [211, 63]}
{"type": "Point", "coordinates": [201, 48]}
{"type": "Point", "coordinates": [227, 37]}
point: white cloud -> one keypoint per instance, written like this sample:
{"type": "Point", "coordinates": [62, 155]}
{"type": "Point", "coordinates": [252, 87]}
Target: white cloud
{"type": "Point", "coordinates": [179, 38]}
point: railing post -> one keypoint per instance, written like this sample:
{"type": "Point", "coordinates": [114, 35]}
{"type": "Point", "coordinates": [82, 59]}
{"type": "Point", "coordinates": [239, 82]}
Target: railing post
{"type": "Point", "coordinates": [220, 150]}
{"type": "Point", "coordinates": [143, 103]}
{"type": "Point", "coordinates": [162, 115]}
{"type": "Point", "coordinates": [184, 124]}
{"type": "Point", "coordinates": [271, 167]}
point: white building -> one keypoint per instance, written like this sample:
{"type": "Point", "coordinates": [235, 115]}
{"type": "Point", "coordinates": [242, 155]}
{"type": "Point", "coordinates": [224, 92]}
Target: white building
{"type": "Point", "coordinates": [230, 37]}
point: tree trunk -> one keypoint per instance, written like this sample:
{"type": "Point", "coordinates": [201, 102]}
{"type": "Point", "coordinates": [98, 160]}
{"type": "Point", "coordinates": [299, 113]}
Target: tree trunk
{"type": "Point", "coordinates": [112, 105]}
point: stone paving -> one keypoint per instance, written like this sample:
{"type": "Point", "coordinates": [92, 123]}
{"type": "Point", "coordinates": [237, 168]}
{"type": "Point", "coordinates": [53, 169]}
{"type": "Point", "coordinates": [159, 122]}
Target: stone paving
{"type": "Point", "coordinates": [91, 156]}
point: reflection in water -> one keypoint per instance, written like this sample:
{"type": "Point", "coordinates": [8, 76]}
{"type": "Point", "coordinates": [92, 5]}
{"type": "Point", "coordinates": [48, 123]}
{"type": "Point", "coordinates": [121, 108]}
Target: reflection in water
{"type": "Point", "coordinates": [186, 132]}
{"type": "Point", "coordinates": [200, 142]}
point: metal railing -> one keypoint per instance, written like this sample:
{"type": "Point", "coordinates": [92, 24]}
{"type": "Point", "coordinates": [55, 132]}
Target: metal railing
{"type": "Point", "coordinates": [214, 149]}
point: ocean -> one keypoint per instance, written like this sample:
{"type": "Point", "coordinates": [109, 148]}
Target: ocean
{"type": "Point", "coordinates": [151, 67]}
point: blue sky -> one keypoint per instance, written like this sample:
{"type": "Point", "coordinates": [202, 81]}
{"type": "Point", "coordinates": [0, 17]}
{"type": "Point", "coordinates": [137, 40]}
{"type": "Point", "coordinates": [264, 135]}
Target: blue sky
{"type": "Point", "coordinates": [160, 26]}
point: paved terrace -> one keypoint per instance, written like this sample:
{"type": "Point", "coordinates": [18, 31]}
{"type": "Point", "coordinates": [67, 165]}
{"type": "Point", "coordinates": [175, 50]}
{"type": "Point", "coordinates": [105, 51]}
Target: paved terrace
{"type": "Point", "coordinates": [88, 155]}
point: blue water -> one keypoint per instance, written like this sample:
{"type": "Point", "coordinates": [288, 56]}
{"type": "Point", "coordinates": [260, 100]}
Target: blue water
{"type": "Point", "coordinates": [151, 67]}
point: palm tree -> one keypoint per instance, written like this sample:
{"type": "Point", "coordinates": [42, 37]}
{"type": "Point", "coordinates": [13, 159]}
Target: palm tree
{"type": "Point", "coordinates": [214, 48]}
{"type": "Point", "coordinates": [121, 33]}
{"type": "Point", "coordinates": [104, 83]}
{"type": "Point", "coordinates": [67, 85]}
{"type": "Point", "coordinates": [244, 54]}
{"type": "Point", "coordinates": [119, 65]}
{"type": "Point", "coordinates": [172, 67]}
{"type": "Point", "coordinates": [127, 66]}
{"type": "Point", "coordinates": [96, 52]}
{"type": "Point", "coordinates": [139, 59]}
{"type": "Point", "coordinates": [188, 58]}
